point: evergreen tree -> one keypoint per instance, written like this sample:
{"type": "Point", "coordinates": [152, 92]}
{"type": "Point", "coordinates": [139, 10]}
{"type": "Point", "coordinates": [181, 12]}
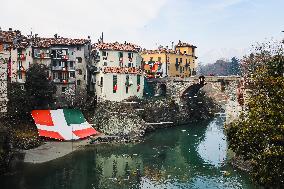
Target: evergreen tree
{"type": "Point", "coordinates": [234, 68]}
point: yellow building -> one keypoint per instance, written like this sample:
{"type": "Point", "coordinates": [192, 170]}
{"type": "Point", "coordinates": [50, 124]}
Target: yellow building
{"type": "Point", "coordinates": [164, 62]}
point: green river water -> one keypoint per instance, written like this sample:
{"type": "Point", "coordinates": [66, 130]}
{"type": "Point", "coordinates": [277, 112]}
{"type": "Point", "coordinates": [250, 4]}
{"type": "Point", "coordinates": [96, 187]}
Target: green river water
{"type": "Point", "coordinates": [190, 156]}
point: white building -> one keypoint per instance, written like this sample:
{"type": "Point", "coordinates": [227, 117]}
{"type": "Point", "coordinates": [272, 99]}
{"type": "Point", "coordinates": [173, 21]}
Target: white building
{"type": "Point", "coordinates": [117, 71]}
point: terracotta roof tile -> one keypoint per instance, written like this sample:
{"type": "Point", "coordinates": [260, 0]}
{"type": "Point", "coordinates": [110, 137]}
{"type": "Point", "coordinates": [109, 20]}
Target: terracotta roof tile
{"type": "Point", "coordinates": [117, 46]}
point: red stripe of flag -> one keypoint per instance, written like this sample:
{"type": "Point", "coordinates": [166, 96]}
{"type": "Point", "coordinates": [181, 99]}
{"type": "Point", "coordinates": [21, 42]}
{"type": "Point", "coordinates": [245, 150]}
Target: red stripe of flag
{"type": "Point", "coordinates": [85, 132]}
{"type": "Point", "coordinates": [50, 134]}
{"type": "Point", "coordinates": [42, 117]}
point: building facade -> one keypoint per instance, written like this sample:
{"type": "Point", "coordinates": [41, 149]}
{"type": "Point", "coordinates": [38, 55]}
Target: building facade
{"type": "Point", "coordinates": [164, 62]}
{"type": "Point", "coordinates": [4, 59]}
{"type": "Point", "coordinates": [117, 71]}
{"type": "Point", "coordinates": [66, 60]}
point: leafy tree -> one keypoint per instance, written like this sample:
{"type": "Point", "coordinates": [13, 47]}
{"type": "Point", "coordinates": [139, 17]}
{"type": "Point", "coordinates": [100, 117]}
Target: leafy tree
{"type": "Point", "coordinates": [39, 89]}
{"type": "Point", "coordinates": [18, 106]}
{"type": "Point", "coordinates": [259, 134]}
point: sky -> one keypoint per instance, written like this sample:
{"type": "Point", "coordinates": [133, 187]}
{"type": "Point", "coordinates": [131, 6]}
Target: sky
{"type": "Point", "coordinates": [220, 29]}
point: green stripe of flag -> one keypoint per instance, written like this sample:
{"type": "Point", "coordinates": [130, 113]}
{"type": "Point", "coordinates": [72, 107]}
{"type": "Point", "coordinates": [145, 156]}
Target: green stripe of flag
{"type": "Point", "coordinates": [73, 116]}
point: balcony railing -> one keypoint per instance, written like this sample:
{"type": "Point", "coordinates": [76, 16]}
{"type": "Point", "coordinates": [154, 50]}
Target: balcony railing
{"type": "Point", "coordinates": [21, 57]}
{"type": "Point", "coordinates": [56, 68]}
{"type": "Point", "coordinates": [68, 80]}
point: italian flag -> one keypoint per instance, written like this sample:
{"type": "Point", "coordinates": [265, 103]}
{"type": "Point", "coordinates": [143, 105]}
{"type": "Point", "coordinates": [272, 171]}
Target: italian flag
{"type": "Point", "coordinates": [62, 124]}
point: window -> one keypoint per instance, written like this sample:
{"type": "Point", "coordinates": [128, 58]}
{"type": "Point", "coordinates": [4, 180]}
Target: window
{"type": "Point", "coordinates": [127, 83]}
{"type": "Point", "coordinates": [72, 74]}
{"type": "Point", "coordinates": [105, 63]}
{"type": "Point", "coordinates": [104, 53]}
{"type": "Point", "coordinates": [151, 59]}
{"type": "Point", "coordinates": [180, 70]}
{"type": "Point", "coordinates": [54, 64]}
{"type": "Point", "coordinates": [78, 48]}
{"type": "Point", "coordinates": [20, 64]}
{"type": "Point", "coordinates": [59, 75]}
{"type": "Point", "coordinates": [176, 60]}
{"type": "Point", "coordinates": [78, 82]}
{"type": "Point", "coordinates": [84, 77]}
{"type": "Point", "coordinates": [20, 75]}
{"type": "Point", "coordinates": [184, 52]}
{"type": "Point", "coordinates": [159, 59]}
{"type": "Point", "coordinates": [64, 75]}
{"type": "Point", "coordinates": [63, 89]}
{"type": "Point", "coordinates": [180, 60]}
{"type": "Point", "coordinates": [102, 81]}
{"type": "Point", "coordinates": [138, 79]}
{"type": "Point", "coordinates": [79, 71]}
{"type": "Point", "coordinates": [114, 83]}
{"type": "Point", "coordinates": [120, 54]}
{"type": "Point", "coordinates": [79, 59]}
{"type": "Point", "coordinates": [130, 55]}
{"type": "Point", "coordinates": [129, 64]}
{"type": "Point", "coordinates": [71, 64]}
{"type": "Point", "coordinates": [55, 75]}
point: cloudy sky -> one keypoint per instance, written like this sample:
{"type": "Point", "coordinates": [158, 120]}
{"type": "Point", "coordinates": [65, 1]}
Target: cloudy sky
{"type": "Point", "coordinates": [219, 28]}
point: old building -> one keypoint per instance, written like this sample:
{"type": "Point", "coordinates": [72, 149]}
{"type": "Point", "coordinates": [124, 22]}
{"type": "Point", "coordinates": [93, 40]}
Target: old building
{"type": "Point", "coordinates": [165, 62]}
{"type": "Point", "coordinates": [67, 60]}
{"type": "Point", "coordinates": [116, 71]}
{"type": "Point", "coordinates": [4, 59]}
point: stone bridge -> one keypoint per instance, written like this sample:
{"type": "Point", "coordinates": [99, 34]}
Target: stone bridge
{"type": "Point", "coordinates": [217, 87]}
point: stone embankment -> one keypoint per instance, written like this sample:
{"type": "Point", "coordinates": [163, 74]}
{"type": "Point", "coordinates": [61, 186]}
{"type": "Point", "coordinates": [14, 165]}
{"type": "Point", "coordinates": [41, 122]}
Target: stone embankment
{"type": "Point", "coordinates": [131, 119]}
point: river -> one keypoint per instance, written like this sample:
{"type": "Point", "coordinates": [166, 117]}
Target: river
{"type": "Point", "coordinates": [190, 156]}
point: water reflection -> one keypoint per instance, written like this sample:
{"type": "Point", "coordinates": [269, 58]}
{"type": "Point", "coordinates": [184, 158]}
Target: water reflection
{"type": "Point", "coordinates": [192, 156]}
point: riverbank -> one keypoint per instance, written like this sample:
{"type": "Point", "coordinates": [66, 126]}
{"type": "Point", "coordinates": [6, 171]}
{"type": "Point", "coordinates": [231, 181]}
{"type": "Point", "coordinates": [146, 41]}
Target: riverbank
{"type": "Point", "coordinates": [128, 121]}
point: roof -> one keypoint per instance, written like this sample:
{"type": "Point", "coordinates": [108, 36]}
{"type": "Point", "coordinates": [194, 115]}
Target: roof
{"type": "Point", "coordinates": [183, 44]}
{"type": "Point", "coordinates": [117, 47]}
{"type": "Point", "coordinates": [48, 42]}
{"type": "Point", "coordinates": [14, 39]}
{"type": "Point", "coordinates": [159, 51]}
{"type": "Point", "coordinates": [9, 36]}
{"type": "Point", "coordinates": [163, 50]}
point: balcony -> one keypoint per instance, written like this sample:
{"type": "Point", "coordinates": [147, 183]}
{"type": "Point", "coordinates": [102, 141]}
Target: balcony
{"type": "Point", "coordinates": [71, 80]}
{"type": "Point", "coordinates": [71, 68]}
{"type": "Point", "coordinates": [64, 81]}
{"type": "Point", "coordinates": [56, 80]}
{"type": "Point", "coordinates": [56, 68]}
{"type": "Point", "coordinates": [21, 57]}
{"type": "Point", "coordinates": [64, 57]}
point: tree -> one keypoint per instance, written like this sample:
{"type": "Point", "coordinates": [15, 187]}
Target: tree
{"type": "Point", "coordinates": [39, 89]}
{"type": "Point", "coordinates": [18, 106]}
{"type": "Point", "coordinates": [234, 68]}
{"type": "Point", "coordinates": [259, 135]}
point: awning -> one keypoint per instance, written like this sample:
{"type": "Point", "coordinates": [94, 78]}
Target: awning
{"type": "Point", "coordinates": [62, 124]}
